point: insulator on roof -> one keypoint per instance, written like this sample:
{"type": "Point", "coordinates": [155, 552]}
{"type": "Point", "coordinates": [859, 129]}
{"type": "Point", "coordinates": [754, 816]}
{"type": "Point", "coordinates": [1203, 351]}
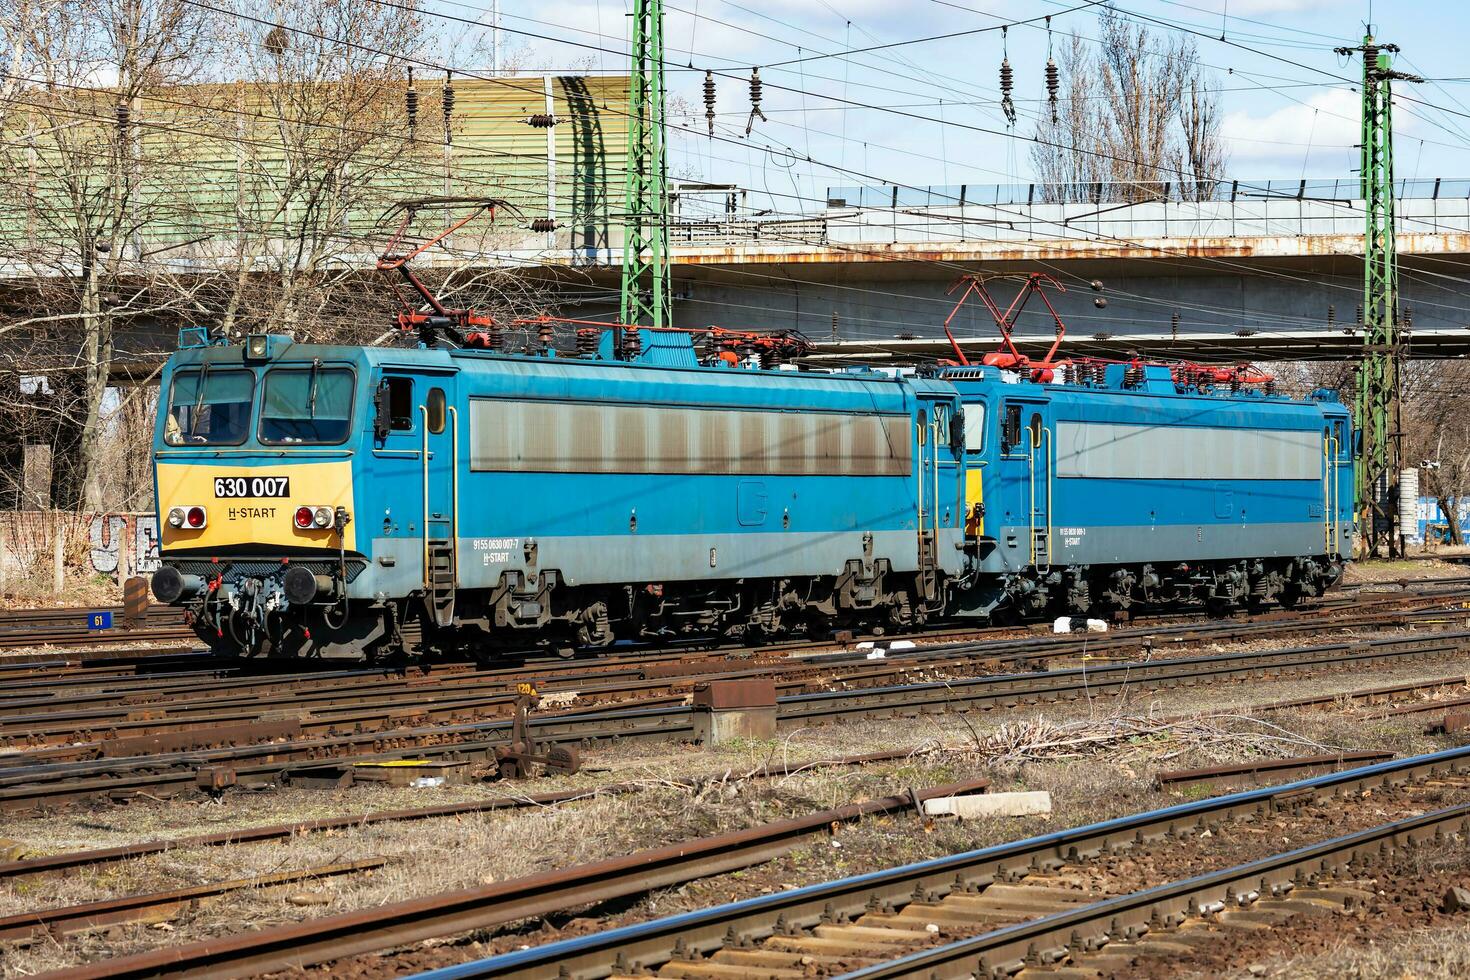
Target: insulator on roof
{"type": "Point", "coordinates": [1331, 314]}
{"type": "Point", "coordinates": [709, 101]}
{"type": "Point", "coordinates": [755, 101]}
{"type": "Point", "coordinates": [1174, 325]}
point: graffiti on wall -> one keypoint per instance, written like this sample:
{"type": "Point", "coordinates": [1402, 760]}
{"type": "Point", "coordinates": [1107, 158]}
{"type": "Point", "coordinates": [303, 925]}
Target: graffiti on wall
{"type": "Point", "coordinates": [107, 532]}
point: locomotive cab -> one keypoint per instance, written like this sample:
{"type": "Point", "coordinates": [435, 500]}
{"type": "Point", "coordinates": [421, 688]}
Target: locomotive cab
{"type": "Point", "coordinates": [253, 473]}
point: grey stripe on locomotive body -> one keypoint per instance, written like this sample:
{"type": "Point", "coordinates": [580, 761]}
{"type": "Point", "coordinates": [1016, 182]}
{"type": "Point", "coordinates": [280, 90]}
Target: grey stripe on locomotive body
{"type": "Point", "coordinates": [600, 437]}
{"type": "Point", "coordinates": [1119, 451]}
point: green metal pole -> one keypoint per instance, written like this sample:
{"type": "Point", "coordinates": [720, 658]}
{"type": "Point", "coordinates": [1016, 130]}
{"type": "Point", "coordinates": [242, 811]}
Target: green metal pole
{"type": "Point", "coordinates": [646, 293]}
{"type": "Point", "coordinates": [1380, 452]}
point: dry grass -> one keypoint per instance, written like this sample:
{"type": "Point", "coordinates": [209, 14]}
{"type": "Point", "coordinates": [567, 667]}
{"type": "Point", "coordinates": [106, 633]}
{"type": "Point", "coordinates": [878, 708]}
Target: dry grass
{"type": "Point", "coordinates": [1423, 954]}
{"type": "Point", "coordinates": [1444, 563]}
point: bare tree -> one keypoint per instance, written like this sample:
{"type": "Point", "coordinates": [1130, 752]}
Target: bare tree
{"type": "Point", "coordinates": [94, 157]}
{"type": "Point", "coordinates": [316, 125]}
{"type": "Point", "coordinates": [1436, 436]}
{"type": "Point", "coordinates": [1064, 158]}
{"type": "Point", "coordinates": [1140, 112]}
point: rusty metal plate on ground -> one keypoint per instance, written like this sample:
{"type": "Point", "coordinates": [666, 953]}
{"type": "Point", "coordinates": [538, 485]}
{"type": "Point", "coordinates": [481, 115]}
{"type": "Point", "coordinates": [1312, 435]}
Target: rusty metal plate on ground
{"type": "Point", "coordinates": [722, 695]}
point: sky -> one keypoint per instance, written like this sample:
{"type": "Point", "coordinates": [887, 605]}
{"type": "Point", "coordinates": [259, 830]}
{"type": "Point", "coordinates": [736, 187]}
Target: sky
{"type": "Point", "coordinates": [928, 113]}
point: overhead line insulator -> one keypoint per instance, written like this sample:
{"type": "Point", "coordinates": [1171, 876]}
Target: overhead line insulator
{"type": "Point", "coordinates": [411, 105]}
{"type": "Point", "coordinates": [448, 107]}
{"type": "Point", "coordinates": [709, 101]}
{"type": "Point", "coordinates": [755, 101]}
{"type": "Point", "coordinates": [1053, 85]}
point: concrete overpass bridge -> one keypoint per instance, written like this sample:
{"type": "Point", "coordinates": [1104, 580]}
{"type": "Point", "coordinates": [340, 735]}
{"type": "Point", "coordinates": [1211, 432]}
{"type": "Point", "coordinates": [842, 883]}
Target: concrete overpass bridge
{"type": "Point", "coordinates": [1262, 270]}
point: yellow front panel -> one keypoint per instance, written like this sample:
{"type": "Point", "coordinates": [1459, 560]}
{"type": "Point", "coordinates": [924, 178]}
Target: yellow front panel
{"type": "Point", "coordinates": [266, 522]}
{"type": "Point", "coordinates": [974, 497]}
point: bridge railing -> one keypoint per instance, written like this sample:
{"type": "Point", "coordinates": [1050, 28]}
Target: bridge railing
{"type": "Point", "coordinates": [1259, 209]}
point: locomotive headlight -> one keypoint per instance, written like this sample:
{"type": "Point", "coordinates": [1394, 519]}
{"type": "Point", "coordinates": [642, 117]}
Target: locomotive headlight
{"type": "Point", "coordinates": [176, 517]}
{"type": "Point", "coordinates": [322, 517]}
{"type": "Point", "coordinates": [195, 517]}
{"type": "Point", "coordinates": [304, 517]}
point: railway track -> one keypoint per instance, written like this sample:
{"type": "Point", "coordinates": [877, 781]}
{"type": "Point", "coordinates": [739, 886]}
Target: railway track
{"type": "Point", "coordinates": [1035, 904]}
{"type": "Point", "coordinates": [32, 781]}
{"type": "Point", "coordinates": [1120, 888]}
{"type": "Point", "coordinates": [100, 700]}
{"type": "Point", "coordinates": [65, 628]}
{"type": "Point", "coordinates": [203, 709]}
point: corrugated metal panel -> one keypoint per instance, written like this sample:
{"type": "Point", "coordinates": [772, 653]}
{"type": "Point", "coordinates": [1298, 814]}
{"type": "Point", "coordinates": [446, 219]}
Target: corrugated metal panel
{"type": "Point", "coordinates": [1145, 452]}
{"type": "Point", "coordinates": [539, 436]}
{"type": "Point", "coordinates": [209, 162]}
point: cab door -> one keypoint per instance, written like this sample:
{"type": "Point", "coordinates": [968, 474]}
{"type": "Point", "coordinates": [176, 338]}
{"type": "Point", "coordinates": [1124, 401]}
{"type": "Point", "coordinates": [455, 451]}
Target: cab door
{"type": "Point", "coordinates": [439, 423]}
{"type": "Point", "coordinates": [1026, 458]}
{"type": "Point", "coordinates": [939, 490]}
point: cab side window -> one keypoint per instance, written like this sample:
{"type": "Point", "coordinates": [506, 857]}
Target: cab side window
{"type": "Point", "coordinates": [1010, 429]}
{"type": "Point", "coordinates": [400, 404]}
{"type": "Point", "coordinates": [941, 425]}
{"type": "Point", "coordinates": [975, 427]}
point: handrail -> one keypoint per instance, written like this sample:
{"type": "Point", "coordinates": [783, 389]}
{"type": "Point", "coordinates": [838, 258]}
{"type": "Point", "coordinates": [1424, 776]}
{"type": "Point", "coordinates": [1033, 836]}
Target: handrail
{"type": "Point", "coordinates": [1035, 441]}
{"type": "Point", "coordinates": [921, 430]}
{"type": "Point", "coordinates": [424, 415]}
{"type": "Point", "coordinates": [1335, 497]}
{"type": "Point", "coordinates": [454, 493]}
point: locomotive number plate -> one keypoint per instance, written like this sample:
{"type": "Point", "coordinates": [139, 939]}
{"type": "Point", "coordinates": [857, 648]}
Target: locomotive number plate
{"type": "Point", "coordinates": [252, 486]}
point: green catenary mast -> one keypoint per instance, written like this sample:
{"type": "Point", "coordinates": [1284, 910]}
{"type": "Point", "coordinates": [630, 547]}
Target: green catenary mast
{"type": "Point", "coordinates": [1380, 455]}
{"type": "Point", "coordinates": [646, 296]}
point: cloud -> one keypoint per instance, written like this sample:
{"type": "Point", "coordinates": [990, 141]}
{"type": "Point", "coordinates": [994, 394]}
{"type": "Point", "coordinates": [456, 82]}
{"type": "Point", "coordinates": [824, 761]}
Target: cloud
{"type": "Point", "coordinates": [1328, 122]}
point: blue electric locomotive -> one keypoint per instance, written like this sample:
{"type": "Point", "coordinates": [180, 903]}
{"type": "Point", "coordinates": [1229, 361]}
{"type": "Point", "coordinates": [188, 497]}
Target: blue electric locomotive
{"type": "Point", "coordinates": [327, 500]}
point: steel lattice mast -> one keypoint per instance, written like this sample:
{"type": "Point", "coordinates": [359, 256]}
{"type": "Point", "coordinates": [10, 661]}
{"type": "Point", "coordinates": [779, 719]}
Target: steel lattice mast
{"type": "Point", "coordinates": [646, 294]}
{"type": "Point", "coordinates": [1380, 454]}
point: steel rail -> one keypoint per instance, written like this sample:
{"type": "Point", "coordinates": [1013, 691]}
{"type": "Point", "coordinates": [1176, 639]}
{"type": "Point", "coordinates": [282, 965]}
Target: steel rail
{"type": "Point", "coordinates": [189, 703]}
{"type": "Point", "coordinates": [646, 946]}
{"type": "Point", "coordinates": [26, 785]}
{"type": "Point", "coordinates": [1053, 938]}
{"type": "Point", "coordinates": [365, 930]}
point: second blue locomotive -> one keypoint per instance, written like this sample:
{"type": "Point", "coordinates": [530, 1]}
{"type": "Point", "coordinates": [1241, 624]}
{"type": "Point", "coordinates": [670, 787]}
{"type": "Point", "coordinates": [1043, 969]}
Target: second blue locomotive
{"type": "Point", "coordinates": [326, 500]}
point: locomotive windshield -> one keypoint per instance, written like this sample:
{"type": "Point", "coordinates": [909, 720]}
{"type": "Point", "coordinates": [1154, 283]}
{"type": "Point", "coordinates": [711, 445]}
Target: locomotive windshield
{"type": "Point", "coordinates": [306, 405]}
{"type": "Point", "coordinates": [209, 407]}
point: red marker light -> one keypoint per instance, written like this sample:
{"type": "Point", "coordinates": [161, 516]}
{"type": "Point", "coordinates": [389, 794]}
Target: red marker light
{"type": "Point", "coordinates": [196, 517]}
{"type": "Point", "coordinates": [303, 517]}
